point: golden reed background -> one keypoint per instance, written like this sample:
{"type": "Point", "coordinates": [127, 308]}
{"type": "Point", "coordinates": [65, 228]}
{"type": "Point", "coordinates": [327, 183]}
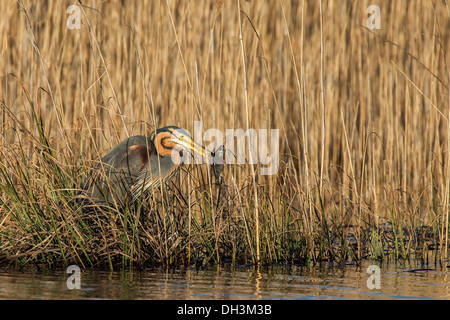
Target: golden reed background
{"type": "Point", "coordinates": [374, 145]}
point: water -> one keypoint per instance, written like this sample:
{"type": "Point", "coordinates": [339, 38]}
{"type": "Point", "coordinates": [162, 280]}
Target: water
{"type": "Point", "coordinates": [242, 282]}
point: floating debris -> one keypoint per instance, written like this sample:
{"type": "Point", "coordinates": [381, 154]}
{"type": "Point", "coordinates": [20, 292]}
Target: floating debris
{"type": "Point", "coordinates": [420, 270]}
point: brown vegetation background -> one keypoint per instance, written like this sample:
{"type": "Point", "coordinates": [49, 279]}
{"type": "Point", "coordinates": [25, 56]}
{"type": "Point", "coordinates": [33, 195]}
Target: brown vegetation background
{"type": "Point", "coordinates": [363, 114]}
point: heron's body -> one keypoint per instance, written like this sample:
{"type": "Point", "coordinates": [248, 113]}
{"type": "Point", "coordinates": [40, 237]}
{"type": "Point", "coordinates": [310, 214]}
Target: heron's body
{"type": "Point", "coordinates": [136, 165]}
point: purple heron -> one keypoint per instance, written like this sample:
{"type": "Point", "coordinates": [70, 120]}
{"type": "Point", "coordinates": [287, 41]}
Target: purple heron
{"type": "Point", "coordinates": [139, 164]}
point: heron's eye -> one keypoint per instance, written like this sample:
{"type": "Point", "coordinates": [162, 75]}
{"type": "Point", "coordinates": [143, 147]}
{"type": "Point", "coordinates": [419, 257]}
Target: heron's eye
{"type": "Point", "coordinates": [181, 153]}
{"type": "Point", "coordinates": [181, 138]}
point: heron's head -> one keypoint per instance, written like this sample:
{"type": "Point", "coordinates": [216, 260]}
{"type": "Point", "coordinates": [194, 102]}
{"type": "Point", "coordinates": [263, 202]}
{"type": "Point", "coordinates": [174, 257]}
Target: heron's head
{"type": "Point", "coordinates": [172, 141]}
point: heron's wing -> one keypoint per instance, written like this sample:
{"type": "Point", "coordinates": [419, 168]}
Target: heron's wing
{"type": "Point", "coordinates": [110, 181]}
{"type": "Point", "coordinates": [148, 177]}
{"type": "Point", "coordinates": [156, 170]}
{"type": "Point", "coordinates": [143, 182]}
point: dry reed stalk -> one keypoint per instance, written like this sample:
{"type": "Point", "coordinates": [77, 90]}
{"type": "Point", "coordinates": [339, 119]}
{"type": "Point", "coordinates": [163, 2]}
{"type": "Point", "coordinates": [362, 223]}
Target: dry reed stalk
{"type": "Point", "coordinates": [244, 70]}
{"type": "Point", "coordinates": [322, 100]}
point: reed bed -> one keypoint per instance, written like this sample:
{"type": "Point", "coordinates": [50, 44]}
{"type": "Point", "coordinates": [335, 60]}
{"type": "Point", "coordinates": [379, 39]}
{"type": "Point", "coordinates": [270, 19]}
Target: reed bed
{"type": "Point", "coordinates": [363, 117]}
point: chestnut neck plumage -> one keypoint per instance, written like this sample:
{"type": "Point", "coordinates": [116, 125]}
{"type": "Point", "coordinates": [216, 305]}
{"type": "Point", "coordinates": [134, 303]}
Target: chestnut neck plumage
{"type": "Point", "coordinates": [164, 146]}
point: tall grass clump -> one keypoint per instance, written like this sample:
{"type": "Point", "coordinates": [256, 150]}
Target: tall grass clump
{"type": "Point", "coordinates": [363, 120]}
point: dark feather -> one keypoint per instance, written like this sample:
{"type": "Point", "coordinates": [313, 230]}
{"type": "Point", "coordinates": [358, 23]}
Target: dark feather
{"type": "Point", "coordinates": [110, 181]}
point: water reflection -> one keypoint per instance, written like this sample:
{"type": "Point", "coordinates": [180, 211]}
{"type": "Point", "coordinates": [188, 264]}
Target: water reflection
{"type": "Point", "coordinates": [243, 282]}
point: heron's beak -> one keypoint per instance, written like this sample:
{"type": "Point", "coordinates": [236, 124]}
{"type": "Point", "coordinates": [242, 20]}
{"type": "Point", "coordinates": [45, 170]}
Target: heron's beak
{"type": "Point", "coordinates": [196, 148]}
